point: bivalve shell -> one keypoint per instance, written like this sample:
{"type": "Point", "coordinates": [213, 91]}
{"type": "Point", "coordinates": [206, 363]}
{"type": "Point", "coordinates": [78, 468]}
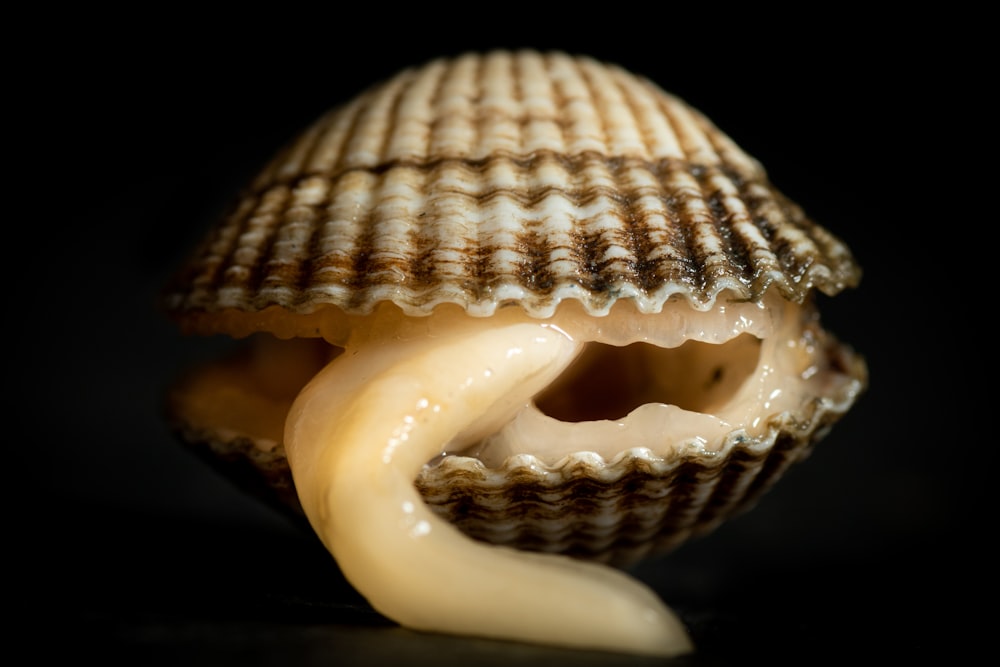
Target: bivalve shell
{"type": "Point", "coordinates": [506, 178]}
{"type": "Point", "coordinates": [520, 179]}
{"type": "Point", "coordinates": [619, 511]}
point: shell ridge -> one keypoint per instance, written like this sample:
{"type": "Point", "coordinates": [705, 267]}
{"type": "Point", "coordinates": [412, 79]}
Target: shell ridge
{"type": "Point", "coordinates": [394, 126]}
{"type": "Point", "coordinates": [746, 240]}
{"type": "Point", "coordinates": [576, 106]}
{"type": "Point", "coordinates": [659, 135]}
{"type": "Point", "coordinates": [497, 104]}
{"type": "Point", "coordinates": [538, 124]}
{"type": "Point", "coordinates": [677, 182]}
{"type": "Point", "coordinates": [352, 114]}
{"type": "Point", "coordinates": [287, 262]}
{"type": "Point", "coordinates": [628, 194]}
{"type": "Point", "coordinates": [243, 260]}
{"type": "Point", "coordinates": [332, 131]}
{"type": "Point", "coordinates": [394, 194]}
{"type": "Point", "coordinates": [728, 218]}
{"type": "Point", "coordinates": [639, 234]}
{"type": "Point", "coordinates": [527, 161]}
{"type": "Point", "coordinates": [617, 120]}
{"type": "Point", "coordinates": [691, 139]}
{"type": "Point", "coordinates": [290, 157]}
{"type": "Point", "coordinates": [451, 100]}
{"type": "Point", "coordinates": [814, 242]}
{"type": "Point", "coordinates": [203, 273]}
{"type": "Point", "coordinates": [305, 273]}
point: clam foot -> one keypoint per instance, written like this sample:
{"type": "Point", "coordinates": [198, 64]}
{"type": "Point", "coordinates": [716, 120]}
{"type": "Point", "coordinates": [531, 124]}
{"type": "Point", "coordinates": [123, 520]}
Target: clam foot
{"type": "Point", "coordinates": [359, 434]}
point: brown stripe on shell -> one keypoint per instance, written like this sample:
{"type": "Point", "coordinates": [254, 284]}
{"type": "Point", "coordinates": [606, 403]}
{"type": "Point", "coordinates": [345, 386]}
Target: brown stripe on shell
{"type": "Point", "coordinates": [656, 505]}
{"type": "Point", "coordinates": [621, 511]}
{"type": "Point", "coordinates": [508, 178]}
{"type": "Point", "coordinates": [616, 512]}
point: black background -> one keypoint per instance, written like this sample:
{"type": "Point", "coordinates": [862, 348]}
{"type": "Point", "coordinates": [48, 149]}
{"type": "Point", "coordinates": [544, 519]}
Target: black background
{"type": "Point", "coordinates": [142, 128]}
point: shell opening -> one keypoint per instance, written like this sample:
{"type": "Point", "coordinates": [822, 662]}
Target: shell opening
{"type": "Point", "coordinates": [609, 382]}
{"type": "Point", "coordinates": [404, 390]}
{"type": "Point", "coordinates": [634, 264]}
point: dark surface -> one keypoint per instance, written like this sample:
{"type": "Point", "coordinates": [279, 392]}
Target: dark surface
{"type": "Point", "coordinates": [131, 551]}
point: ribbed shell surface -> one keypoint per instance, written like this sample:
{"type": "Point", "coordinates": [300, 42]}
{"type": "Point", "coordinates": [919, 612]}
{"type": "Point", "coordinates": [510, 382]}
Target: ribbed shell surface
{"type": "Point", "coordinates": [501, 178]}
{"type": "Point", "coordinates": [616, 511]}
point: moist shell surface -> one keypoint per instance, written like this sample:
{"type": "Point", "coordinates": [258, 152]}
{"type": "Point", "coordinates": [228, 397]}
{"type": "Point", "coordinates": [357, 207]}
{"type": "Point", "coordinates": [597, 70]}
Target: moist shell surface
{"type": "Point", "coordinates": [617, 511]}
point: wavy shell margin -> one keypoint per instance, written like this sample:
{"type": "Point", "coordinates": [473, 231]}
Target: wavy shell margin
{"type": "Point", "coordinates": [507, 177]}
{"type": "Point", "coordinates": [637, 505]}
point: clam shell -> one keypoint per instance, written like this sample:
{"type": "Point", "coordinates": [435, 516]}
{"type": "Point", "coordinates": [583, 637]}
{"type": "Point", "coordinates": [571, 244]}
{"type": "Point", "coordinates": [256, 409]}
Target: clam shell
{"type": "Point", "coordinates": [617, 512]}
{"type": "Point", "coordinates": [638, 504]}
{"type": "Point", "coordinates": [506, 178]}
{"type": "Point", "coordinates": [520, 178]}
